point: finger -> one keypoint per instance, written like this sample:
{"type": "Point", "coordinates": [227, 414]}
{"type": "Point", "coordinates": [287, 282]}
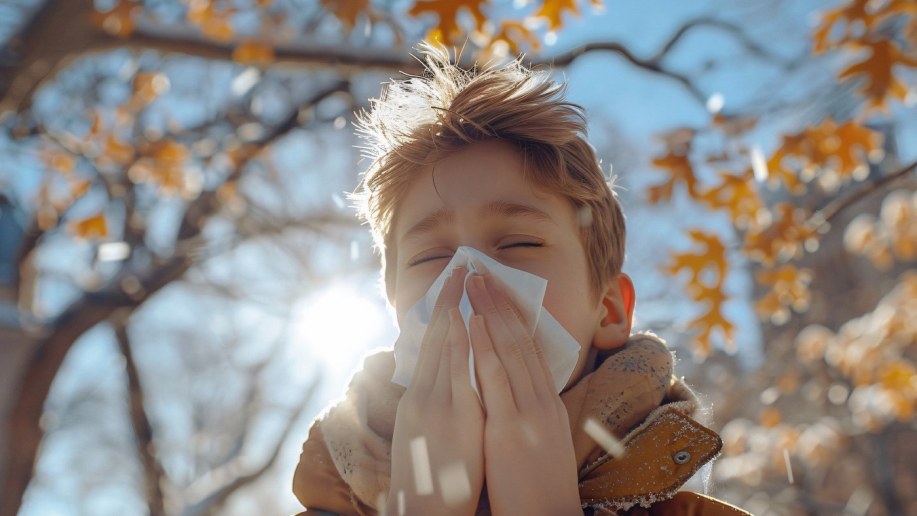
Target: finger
{"type": "Point", "coordinates": [532, 352]}
{"type": "Point", "coordinates": [492, 379]}
{"type": "Point", "coordinates": [431, 347]}
{"type": "Point", "coordinates": [442, 387]}
{"type": "Point", "coordinates": [451, 293]}
{"type": "Point", "coordinates": [509, 351]}
{"type": "Point", "coordinates": [458, 349]}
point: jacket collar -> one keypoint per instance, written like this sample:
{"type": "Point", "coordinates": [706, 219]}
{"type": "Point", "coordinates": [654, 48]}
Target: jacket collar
{"type": "Point", "coordinates": [659, 457]}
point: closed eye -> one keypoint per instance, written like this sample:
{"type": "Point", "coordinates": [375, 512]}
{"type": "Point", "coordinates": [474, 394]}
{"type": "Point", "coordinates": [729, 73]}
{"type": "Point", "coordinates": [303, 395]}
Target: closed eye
{"type": "Point", "coordinates": [424, 259]}
{"type": "Point", "coordinates": [521, 244]}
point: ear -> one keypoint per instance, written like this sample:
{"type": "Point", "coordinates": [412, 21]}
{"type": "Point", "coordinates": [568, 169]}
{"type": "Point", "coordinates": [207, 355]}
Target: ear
{"type": "Point", "coordinates": [613, 329]}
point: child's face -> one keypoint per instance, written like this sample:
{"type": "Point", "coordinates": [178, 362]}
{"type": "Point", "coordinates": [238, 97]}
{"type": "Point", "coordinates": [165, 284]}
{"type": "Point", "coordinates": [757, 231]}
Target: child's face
{"type": "Point", "coordinates": [481, 199]}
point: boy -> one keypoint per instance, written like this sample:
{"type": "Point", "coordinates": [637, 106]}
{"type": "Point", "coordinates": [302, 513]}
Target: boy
{"type": "Point", "coordinates": [497, 161]}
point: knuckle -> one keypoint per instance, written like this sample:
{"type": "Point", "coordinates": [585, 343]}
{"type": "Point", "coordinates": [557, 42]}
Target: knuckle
{"type": "Point", "coordinates": [494, 371]}
{"type": "Point", "coordinates": [508, 308]}
{"type": "Point", "coordinates": [518, 352]}
{"type": "Point", "coordinates": [530, 342]}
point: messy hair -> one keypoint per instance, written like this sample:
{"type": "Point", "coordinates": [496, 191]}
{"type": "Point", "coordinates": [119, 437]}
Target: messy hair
{"type": "Point", "coordinates": [420, 120]}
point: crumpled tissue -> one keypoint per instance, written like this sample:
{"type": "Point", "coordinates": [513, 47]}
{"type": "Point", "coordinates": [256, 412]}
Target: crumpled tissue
{"type": "Point", "coordinates": [526, 290]}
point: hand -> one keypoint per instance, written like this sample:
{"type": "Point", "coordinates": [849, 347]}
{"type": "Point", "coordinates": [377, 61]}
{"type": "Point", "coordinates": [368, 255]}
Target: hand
{"type": "Point", "coordinates": [437, 445]}
{"type": "Point", "coordinates": [529, 461]}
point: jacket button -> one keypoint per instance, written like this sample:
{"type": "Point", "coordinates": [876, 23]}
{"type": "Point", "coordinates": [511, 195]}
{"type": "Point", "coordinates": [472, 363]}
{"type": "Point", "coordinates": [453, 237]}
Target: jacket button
{"type": "Point", "coordinates": [681, 457]}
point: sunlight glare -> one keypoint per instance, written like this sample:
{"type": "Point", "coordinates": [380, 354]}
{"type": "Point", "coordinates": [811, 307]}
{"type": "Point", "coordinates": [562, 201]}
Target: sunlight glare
{"type": "Point", "coordinates": [338, 325]}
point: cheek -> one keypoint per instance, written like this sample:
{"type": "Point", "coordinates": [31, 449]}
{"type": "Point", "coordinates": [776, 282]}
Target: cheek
{"type": "Point", "coordinates": [570, 305]}
{"type": "Point", "coordinates": [408, 291]}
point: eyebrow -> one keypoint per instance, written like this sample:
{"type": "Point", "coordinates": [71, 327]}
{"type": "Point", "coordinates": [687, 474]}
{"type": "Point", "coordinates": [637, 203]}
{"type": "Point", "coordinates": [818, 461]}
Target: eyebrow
{"type": "Point", "coordinates": [492, 209]}
{"type": "Point", "coordinates": [429, 223]}
{"type": "Point", "coordinates": [513, 209]}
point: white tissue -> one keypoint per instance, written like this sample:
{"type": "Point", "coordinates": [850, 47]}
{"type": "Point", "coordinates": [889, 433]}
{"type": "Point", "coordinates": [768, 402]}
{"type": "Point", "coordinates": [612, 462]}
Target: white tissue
{"type": "Point", "coordinates": [526, 290]}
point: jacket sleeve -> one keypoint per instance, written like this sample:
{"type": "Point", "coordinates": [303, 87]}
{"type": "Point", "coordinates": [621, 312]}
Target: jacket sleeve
{"type": "Point", "coordinates": [317, 483]}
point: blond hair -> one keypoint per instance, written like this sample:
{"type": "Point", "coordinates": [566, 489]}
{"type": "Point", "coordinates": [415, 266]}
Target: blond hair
{"type": "Point", "coordinates": [420, 120]}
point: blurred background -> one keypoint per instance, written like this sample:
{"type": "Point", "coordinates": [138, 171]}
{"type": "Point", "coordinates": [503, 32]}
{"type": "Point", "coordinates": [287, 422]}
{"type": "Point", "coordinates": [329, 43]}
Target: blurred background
{"type": "Point", "coordinates": [184, 287]}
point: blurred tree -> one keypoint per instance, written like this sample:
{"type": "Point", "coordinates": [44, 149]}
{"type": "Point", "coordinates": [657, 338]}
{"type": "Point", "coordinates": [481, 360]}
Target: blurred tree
{"type": "Point", "coordinates": [147, 145]}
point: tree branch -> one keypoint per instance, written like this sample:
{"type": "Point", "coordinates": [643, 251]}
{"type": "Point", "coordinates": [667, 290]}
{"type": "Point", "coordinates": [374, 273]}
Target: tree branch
{"type": "Point", "coordinates": [736, 30]}
{"type": "Point", "coordinates": [839, 204]}
{"type": "Point", "coordinates": [25, 430]}
{"type": "Point", "coordinates": [143, 430]}
{"type": "Point", "coordinates": [651, 65]}
{"type": "Point", "coordinates": [59, 31]}
{"type": "Point", "coordinates": [211, 503]}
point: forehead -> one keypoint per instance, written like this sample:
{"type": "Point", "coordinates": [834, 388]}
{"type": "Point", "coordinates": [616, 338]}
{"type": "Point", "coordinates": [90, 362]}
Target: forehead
{"type": "Point", "coordinates": [487, 177]}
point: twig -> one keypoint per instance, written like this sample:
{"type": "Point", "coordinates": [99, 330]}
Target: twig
{"type": "Point", "coordinates": [736, 30]}
{"type": "Point", "coordinates": [837, 205]}
{"type": "Point", "coordinates": [153, 473]}
{"type": "Point", "coordinates": [218, 496]}
{"type": "Point", "coordinates": [651, 65]}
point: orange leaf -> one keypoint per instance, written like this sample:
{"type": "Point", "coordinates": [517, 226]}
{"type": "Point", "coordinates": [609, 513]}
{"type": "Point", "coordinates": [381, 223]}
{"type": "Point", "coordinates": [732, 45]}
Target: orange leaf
{"type": "Point", "coordinates": [734, 125]}
{"type": "Point", "coordinates": [705, 326]}
{"type": "Point", "coordinates": [91, 227]}
{"type": "Point", "coordinates": [149, 85]}
{"type": "Point", "coordinates": [214, 24]}
{"type": "Point", "coordinates": [347, 10]}
{"type": "Point", "coordinates": [738, 195]}
{"type": "Point", "coordinates": [788, 233]}
{"type": "Point", "coordinates": [707, 267]}
{"type": "Point", "coordinates": [680, 170]}
{"type": "Point", "coordinates": [59, 160]}
{"type": "Point", "coordinates": [170, 153]}
{"type": "Point", "coordinates": [116, 151]}
{"type": "Point", "coordinates": [857, 15]}
{"type": "Point", "coordinates": [778, 172]}
{"type": "Point", "coordinates": [844, 150]}
{"type": "Point", "coordinates": [554, 10]}
{"type": "Point", "coordinates": [789, 288]}
{"type": "Point", "coordinates": [199, 11]}
{"type": "Point", "coordinates": [166, 166]}
{"type": "Point", "coordinates": [79, 187]}
{"type": "Point", "coordinates": [676, 164]}
{"type": "Point", "coordinates": [877, 69]}
{"type": "Point", "coordinates": [898, 375]}
{"type": "Point", "coordinates": [711, 255]}
{"type": "Point", "coordinates": [218, 29]}
{"type": "Point", "coordinates": [515, 34]}
{"type": "Point", "coordinates": [447, 29]}
{"type": "Point", "coordinates": [119, 21]}
{"type": "Point", "coordinates": [850, 14]}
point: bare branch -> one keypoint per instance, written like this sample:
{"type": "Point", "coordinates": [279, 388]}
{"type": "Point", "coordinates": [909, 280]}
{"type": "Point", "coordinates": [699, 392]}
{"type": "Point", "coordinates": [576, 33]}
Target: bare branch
{"type": "Point", "coordinates": [651, 65]}
{"type": "Point", "coordinates": [231, 482]}
{"type": "Point", "coordinates": [839, 204]}
{"type": "Point", "coordinates": [153, 473]}
{"type": "Point", "coordinates": [60, 29]}
{"type": "Point", "coordinates": [25, 428]}
{"type": "Point", "coordinates": [734, 29]}
{"type": "Point", "coordinates": [94, 308]}
{"type": "Point", "coordinates": [345, 61]}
